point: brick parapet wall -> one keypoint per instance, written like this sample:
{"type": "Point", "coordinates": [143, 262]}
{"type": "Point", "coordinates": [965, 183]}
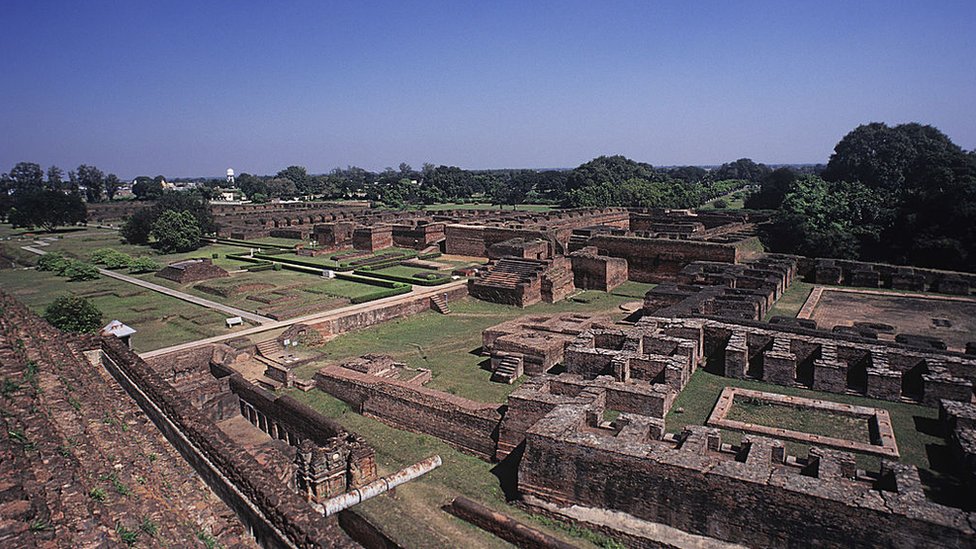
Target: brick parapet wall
{"type": "Point", "coordinates": [465, 424]}
{"type": "Point", "coordinates": [660, 260]}
{"type": "Point", "coordinates": [248, 483]}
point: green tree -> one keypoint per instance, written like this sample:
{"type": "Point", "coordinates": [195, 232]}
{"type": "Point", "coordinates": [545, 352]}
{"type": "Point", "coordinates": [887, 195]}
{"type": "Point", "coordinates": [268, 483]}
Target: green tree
{"type": "Point", "coordinates": [73, 314]}
{"type": "Point", "coordinates": [93, 180]}
{"type": "Point", "coordinates": [143, 264]}
{"type": "Point", "coordinates": [176, 232]}
{"type": "Point", "coordinates": [772, 190]}
{"type": "Point", "coordinates": [743, 168]}
{"type": "Point", "coordinates": [77, 271]}
{"type": "Point", "coordinates": [110, 258]}
{"type": "Point", "coordinates": [112, 185]}
{"type": "Point", "coordinates": [46, 209]}
{"type": "Point", "coordinates": [146, 188]}
{"type": "Point", "coordinates": [53, 262]}
{"type": "Point", "coordinates": [824, 219]}
{"type": "Point", "coordinates": [26, 176]}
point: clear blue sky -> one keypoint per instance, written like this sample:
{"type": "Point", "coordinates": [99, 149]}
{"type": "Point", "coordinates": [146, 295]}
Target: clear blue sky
{"type": "Point", "coordinates": [192, 88]}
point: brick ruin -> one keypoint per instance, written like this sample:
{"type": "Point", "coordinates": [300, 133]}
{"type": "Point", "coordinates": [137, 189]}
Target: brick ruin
{"type": "Point", "coordinates": [592, 271]}
{"type": "Point", "coordinates": [746, 290]}
{"type": "Point", "coordinates": [310, 453]}
{"type": "Point", "coordinates": [533, 344]}
{"type": "Point", "coordinates": [570, 451]}
{"type": "Point", "coordinates": [72, 440]}
{"type": "Point", "coordinates": [192, 270]}
{"type": "Point", "coordinates": [838, 272]}
{"type": "Point", "coordinates": [378, 387]}
{"type": "Point", "coordinates": [750, 494]}
{"type": "Point", "coordinates": [524, 282]}
{"type": "Point", "coordinates": [232, 458]}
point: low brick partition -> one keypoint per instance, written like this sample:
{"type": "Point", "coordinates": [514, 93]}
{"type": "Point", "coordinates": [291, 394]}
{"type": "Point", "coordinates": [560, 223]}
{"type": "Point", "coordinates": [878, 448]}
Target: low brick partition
{"type": "Point", "coordinates": [878, 418]}
{"type": "Point", "coordinates": [383, 312]}
{"type": "Point", "coordinates": [465, 424]}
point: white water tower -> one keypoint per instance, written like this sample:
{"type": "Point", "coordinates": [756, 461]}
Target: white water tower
{"type": "Point", "coordinates": [230, 176]}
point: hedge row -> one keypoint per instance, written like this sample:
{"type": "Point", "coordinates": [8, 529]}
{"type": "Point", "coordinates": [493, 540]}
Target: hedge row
{"type": "Point", "coordinates": [369, 280]}
{"type": "Point", "coordinates": [406, 279]}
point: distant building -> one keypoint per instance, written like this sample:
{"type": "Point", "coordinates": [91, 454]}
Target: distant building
{"type": "Point", "coordinates": [230, 176]}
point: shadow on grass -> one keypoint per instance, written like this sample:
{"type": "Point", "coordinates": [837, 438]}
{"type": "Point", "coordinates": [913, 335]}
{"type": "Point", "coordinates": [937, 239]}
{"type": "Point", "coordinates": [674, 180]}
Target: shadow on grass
{"type": "Point", "coordinates": [929, 426]}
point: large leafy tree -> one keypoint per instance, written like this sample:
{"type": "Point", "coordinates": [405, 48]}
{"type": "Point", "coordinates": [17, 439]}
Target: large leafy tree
{"type": "Point", "coordinates": [897, 194]}
{"type": "Point", "coordinates": [176, 232]}
{"type": "Point", "coordinates": [73, 314]}
{"type": "Point", "coordinates": [824, 219]}
{"type": "Point", "coordinates": [743, 168]}
{"type": "Point", "coordinates": [46, 209]}
{"type": "Point", "coordinates": [138, 227]}
{"type": "Point", "coordinates": [112, 185]}
{"type": "Point", "coordinates": [93, 180]}
{"type": "Point", "coordinates": [147, 188]}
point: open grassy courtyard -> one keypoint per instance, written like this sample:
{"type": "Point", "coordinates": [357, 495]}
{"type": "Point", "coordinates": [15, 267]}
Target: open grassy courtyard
{"type": "Point", "coordinates": [449, 345]}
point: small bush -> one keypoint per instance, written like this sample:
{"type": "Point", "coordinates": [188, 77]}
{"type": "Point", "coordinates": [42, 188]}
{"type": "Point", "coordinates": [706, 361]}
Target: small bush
{"type": "Point", "coordinates": [143, 265]}
{"type": "Point", "coordinates": [277, 266]}
{"type": "Point", "coordinates": [128, 537]}
{"type": "Point", "coordinates": [720, 204]}
{"type": "Point", "coordinates": [215, 256]}
{"type": "Point", "coordinates": [110, 258]}
{"type": "Point", "coordinates": [97, 494]}
{"type": "Point", "coordinates": [53, 262]}
{"type": "Point", "coordinates": [79, 270]}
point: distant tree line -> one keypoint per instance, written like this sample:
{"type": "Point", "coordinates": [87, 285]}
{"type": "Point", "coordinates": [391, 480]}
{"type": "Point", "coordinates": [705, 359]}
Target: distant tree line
{"type": "Point", "coordinates": [604, 181]}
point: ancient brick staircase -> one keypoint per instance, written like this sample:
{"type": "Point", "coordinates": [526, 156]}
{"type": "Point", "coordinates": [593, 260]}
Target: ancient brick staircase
{"type": "Point", "coordinates": [507, 370]}
{"type": "Point", "coordinates": [508, 272]}
{"type": "Point", "coordinates": [439, 304]}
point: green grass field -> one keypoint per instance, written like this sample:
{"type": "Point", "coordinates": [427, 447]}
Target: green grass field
{"type": "Point", "coordinates": [792, 300]}
{"type": "Point", "coordinates": [449, 344]}
{"type": "Point", "coordinates": [160, 320]}
{"type": "Point", "coordinates": [803, 420]}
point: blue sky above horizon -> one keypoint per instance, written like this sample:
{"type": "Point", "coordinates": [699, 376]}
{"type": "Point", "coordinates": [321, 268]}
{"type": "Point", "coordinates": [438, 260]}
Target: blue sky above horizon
{"type": "Point", "coordinates": [192, 88]}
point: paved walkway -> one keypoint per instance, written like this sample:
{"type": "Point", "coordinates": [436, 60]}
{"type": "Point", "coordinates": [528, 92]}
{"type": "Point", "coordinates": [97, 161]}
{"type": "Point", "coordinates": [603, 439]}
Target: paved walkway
{"type": "Point", "coordinates": [234, 311]}
{"type": "Point", "coordinates": [418, 293]}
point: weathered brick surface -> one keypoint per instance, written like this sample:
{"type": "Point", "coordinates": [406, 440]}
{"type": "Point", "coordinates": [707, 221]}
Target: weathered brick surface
{"type": "Point", "coordinates": [462, 423]}
{"type": "Point", "coordinates": [69, 429]}
{"type": "Point", "coordinates": [695, 486]}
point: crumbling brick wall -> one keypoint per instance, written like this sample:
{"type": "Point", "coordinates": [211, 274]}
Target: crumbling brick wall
{"type": "Point", "coordinates": [660, 260]}
{"type": "Point", "coordinates": [462, 423]}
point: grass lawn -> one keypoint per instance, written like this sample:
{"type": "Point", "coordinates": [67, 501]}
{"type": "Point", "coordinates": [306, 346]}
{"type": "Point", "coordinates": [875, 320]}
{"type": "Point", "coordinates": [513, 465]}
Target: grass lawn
{"type": "Point", "coordinates": [160, 320]}
{"type": "Point", "coordinates": [412, 515]}
{"type": "Point", "coordinates": [449, 345]}
{"type": "Point", "coordinates": [804, 420]}
{"type": "Point", "coordinates": [792, 300]}
{"type": "Point", "coordinates": [917, 432]}
{"type": "Point", "coordinates": [304, 291]}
